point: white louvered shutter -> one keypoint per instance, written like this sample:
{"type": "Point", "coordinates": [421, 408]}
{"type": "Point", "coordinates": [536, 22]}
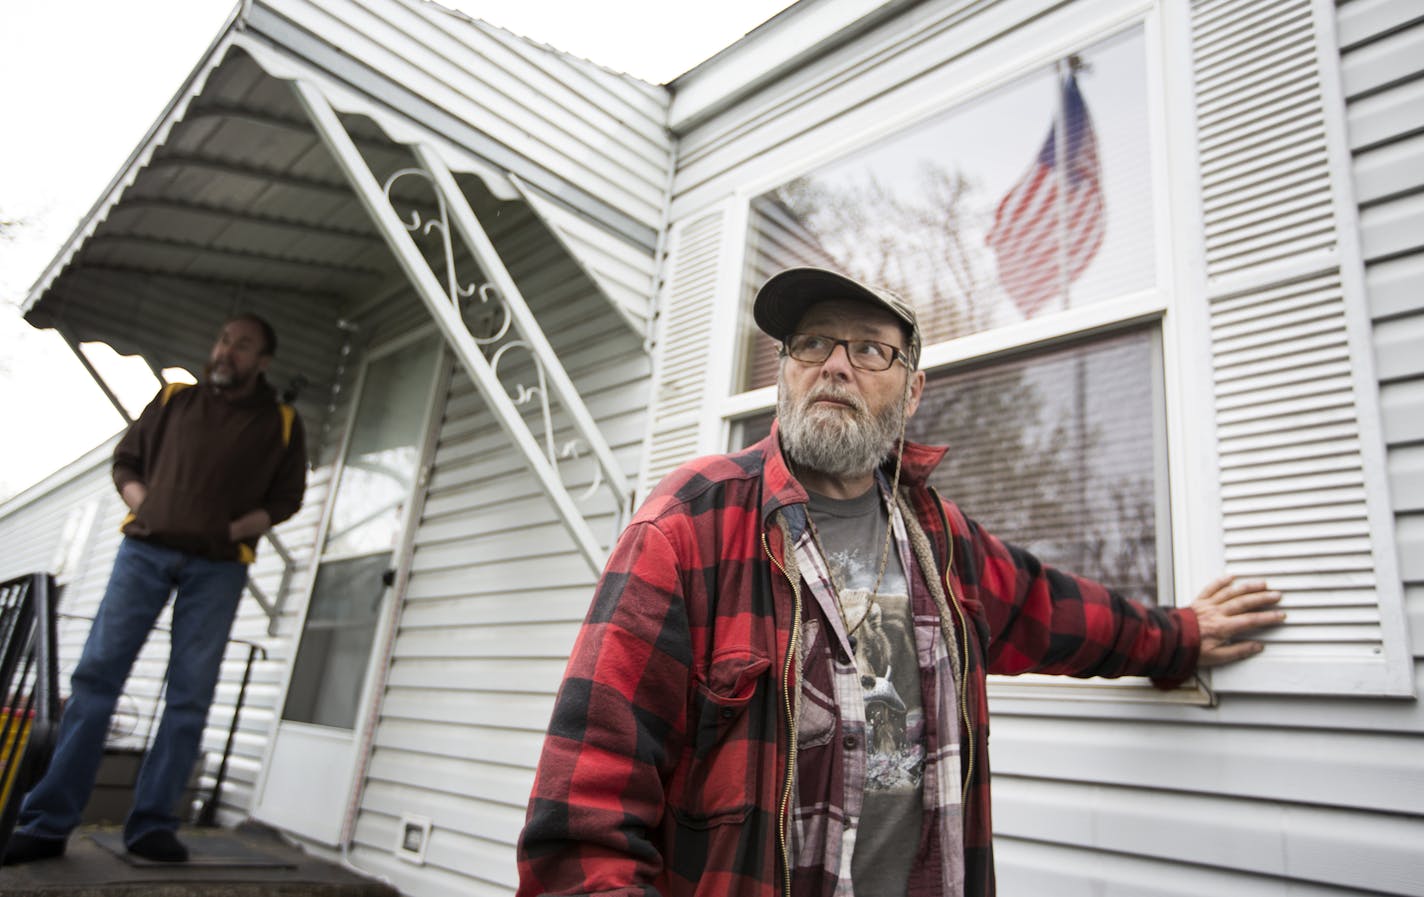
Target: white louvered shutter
{"type": "Point", "coordinates": [684, 346]}
{"type": "Point", "coordinates": [1304, 496]}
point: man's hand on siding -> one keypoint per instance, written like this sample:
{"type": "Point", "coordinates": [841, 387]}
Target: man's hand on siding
{"type": "Point", "coordinates": [1227, 610]}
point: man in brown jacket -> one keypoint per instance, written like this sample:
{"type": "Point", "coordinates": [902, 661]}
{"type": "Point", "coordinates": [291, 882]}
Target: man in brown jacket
{"type": "Point", "coordinates": [205, 471]}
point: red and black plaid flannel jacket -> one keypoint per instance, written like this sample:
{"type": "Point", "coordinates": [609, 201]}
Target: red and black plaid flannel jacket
{"type": "Point", "coordinates": [665, 764]}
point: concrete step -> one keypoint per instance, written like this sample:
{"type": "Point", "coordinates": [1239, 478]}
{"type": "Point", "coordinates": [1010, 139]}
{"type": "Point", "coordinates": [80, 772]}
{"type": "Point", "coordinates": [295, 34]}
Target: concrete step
{"type": "Point", "coordinates": [250, 861]}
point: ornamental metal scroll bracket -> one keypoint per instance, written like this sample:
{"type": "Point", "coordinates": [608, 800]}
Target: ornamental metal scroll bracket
{"type": "Point", "coordinates": [457, 292]}
{"type": "Point", "coordinates": [482, 249]}
{"type": "Point", "coordinates": [571, 449]}
{"type": "Point", "coordinates": [462, 296]}
{"type": "Point", "coordinates": [485, 291]}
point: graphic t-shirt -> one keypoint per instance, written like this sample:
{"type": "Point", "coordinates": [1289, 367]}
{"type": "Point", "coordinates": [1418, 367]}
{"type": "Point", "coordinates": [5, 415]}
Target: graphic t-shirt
{"type": "Point", "coordinates": [852, 535]}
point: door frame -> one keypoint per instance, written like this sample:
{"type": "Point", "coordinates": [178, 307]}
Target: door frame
{"type": "Point", "coordinates": [427, 439]}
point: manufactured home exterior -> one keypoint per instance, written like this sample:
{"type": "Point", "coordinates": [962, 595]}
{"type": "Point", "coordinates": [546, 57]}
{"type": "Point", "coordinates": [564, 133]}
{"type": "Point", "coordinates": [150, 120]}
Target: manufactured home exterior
{"type": "Point", "coordinates": [511, 289]}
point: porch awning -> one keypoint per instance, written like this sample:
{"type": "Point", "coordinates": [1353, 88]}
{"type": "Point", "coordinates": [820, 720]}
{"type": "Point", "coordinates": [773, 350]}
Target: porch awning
{"type": "Point", "coordinates": [271, 186]}
{"type": "Point", "coordinates": [231, 202]}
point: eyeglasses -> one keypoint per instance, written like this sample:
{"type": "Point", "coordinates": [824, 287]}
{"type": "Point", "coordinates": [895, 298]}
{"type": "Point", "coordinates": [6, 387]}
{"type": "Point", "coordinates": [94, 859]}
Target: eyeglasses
{"type": "Point", "coordinates": [863, 354]}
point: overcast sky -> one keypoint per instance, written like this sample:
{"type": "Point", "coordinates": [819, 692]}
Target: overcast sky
{"type": "Point", "coordinates": [85, 79]}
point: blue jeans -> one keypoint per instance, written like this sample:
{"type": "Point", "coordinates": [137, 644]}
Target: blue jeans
{"type": "Point", "coordinates": [143, 577]}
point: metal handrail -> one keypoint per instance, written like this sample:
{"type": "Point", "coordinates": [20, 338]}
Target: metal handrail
{"type": "Point", "coordinates": [272, 608]}
{"type": "Point", "coordinates": [28, 647]}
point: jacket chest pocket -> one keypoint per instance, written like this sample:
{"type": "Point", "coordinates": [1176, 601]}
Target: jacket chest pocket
{"type": "Point", "coordinates": [728, 740]}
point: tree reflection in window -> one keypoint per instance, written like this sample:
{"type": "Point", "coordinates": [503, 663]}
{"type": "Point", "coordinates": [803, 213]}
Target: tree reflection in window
{"type": "Point", "coordinates": [1057, 453]}
{"type": "Point", "coordinates": [375, 487]}
{"type": "Point", "coordinates": [1059, 450]}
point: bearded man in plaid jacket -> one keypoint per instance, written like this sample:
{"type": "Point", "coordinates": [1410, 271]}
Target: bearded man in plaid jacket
{"type": "Point", "coordinates": [779, 688]}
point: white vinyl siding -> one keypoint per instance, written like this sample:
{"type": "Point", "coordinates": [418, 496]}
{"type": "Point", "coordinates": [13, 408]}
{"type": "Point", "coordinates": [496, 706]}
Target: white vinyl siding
{"type": "Point", "coordinates": [623, 272]}
{"type": "Point", "coordinates": [32, 524]}
{"type": "Point", "coordinates": [1382, 49]}
{"type": "Point", "coordinates": [558, 123]}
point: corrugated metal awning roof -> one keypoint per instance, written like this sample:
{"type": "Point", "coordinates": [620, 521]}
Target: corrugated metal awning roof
{"type": "Point", "coordinates": [233, 202]}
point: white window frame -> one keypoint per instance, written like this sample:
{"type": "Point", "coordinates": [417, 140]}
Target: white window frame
{"type": "Point", "coordinates": [1181, 325]}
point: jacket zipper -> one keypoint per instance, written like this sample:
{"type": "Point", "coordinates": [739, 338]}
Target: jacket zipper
{"type": "Point", "coordinates": [788, 704]}
{"type": "Point", "coordinates": [964, 652]}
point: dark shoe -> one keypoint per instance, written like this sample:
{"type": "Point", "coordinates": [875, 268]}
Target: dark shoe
{"type": "Point", "coordinates": [24, 848]}
{"type": "Point", "coordinates": [160, 846]}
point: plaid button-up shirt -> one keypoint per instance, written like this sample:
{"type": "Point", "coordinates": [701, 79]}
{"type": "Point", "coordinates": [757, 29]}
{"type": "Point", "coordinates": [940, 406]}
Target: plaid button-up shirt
{"type": "Point", "coordinates": [831, 781]}
{"type": "Point", "coordinates": [667, 766]}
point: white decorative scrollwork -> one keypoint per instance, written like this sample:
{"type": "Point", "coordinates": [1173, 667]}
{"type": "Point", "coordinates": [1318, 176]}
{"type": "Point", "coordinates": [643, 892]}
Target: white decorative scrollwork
{"type": "Point", "coordinates": [573, 449]}
{"type": "Point", "coordinates": [523, 395]}
{"type": "Point", "coordinates": [462, 297]}
{"type": "Point", "coordinates": [486, 291]}
{"type": "Point", "coordinates": [441, 224]}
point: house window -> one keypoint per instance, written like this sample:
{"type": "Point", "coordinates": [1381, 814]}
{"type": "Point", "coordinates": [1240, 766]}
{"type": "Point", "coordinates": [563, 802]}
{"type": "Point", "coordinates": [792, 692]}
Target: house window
{"type": "Point", "coordinates": [1021, 225]}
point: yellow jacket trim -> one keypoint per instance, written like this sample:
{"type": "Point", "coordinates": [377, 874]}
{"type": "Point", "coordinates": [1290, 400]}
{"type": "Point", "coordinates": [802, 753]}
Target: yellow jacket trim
{"type": "Point", "coordinates": [171, 389]}
{"type": "Point", "coordinates": [289, 414]}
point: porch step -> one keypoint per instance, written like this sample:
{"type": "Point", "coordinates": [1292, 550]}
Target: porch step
{"type": "Point", "coordinates": [262, 865]}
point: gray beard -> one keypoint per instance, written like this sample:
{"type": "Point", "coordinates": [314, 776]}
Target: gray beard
{"type": "Point", "coordinates": [225, 380]}
{"type": "Point", "coordinates": [833, 442]}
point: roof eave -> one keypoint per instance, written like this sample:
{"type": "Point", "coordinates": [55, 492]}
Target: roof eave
{"type": "Point", "coordinates": [789, 40]}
